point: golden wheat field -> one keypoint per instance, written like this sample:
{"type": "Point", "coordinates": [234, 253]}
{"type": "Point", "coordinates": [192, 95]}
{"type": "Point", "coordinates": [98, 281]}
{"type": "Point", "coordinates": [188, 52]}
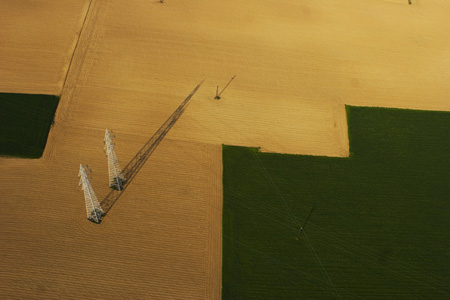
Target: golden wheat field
{"type": "Point", "coordinates": [127, 65]}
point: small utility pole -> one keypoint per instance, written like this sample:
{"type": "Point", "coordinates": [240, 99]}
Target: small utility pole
{"type": "Point", "coordinates": [304, 224]}
{"type": "Point", "coordinates": [217, 97]}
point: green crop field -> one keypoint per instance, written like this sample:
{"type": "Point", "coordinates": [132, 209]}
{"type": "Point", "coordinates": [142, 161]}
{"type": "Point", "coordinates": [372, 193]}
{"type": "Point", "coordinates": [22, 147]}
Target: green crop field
{"type": "Point", "coordinates": [380, 227]}
{"type": "Point", "coordinates": [25, 121]}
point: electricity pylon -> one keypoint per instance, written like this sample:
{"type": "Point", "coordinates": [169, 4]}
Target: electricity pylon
{"type": "Point", "coordinates": [93, 209]}
{"type": "Point", "coordinates": [116, 179]}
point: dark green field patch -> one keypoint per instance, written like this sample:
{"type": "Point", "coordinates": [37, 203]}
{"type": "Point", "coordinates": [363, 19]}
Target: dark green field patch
{"type": "Point", "coordinates": [380, 228]}
{"type": "Point", "coordinates": [25, 121]}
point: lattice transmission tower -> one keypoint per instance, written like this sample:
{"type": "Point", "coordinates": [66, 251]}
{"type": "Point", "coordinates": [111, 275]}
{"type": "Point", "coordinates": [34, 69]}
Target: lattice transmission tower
{"type": "Point", "coordinates": [93, 209]}
{"type": "Point", "coordinates": [116, 179]}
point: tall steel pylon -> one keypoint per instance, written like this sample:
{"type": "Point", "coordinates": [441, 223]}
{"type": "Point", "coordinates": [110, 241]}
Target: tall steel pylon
{"type": "Point", "coordinates": [116, 179]}
{"type": "Point", "coordinates": [93, 209]}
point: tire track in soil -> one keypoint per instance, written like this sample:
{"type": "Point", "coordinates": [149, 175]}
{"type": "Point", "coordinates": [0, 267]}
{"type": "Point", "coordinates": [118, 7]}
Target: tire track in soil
{"type": "Point", "coordinates": [82, 61]}
{"type": "Point", "coordinates": [78, 69]}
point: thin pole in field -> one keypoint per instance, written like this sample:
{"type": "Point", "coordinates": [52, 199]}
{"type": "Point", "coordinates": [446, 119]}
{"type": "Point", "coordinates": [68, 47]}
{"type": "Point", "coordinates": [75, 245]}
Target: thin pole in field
{"type": "Point", "coordinates": [218, 95]}
{"type": "Point", "coordinates": [306, 221]}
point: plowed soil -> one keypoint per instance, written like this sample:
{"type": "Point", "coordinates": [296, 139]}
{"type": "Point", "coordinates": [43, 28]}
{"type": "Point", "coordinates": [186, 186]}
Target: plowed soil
{"type": "Point", "coordinates": [296, 65]}
{"type": "Point", "coordinates": [37, 39]}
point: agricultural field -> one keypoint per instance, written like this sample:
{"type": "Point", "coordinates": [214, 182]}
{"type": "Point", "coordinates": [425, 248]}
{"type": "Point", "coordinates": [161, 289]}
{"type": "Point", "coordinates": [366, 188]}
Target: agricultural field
{"type": "Point", "coordinates": [378, 229]}
{"type": "Point", "coordinates": [126, 66]}
{"type": "Point", "coordinates": [37, 42]}
{"type": "Point", "coordinates": [25, 121]}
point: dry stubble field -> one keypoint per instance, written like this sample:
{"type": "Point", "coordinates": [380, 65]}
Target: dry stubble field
{"type": "Point", "coordinates": [37, 39]}
{"type": "Point", "coordinates": [297, 64]}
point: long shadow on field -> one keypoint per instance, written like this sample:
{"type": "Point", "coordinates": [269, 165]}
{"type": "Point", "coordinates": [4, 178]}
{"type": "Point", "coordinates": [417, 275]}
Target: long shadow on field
{"type": "Point", "coordinates": [138, 161]}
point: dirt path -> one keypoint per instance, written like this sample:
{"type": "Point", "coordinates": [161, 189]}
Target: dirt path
{"type": "Point", "coordinates": [81, 60]}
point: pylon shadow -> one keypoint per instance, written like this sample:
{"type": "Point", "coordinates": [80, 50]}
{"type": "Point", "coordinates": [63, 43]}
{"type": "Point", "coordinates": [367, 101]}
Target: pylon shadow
{"type": "Point", "coordinates": [137, 162]}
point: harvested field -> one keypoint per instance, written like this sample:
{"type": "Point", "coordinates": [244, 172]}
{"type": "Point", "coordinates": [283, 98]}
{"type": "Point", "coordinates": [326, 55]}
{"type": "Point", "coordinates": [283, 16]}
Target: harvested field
{"type": "Point", "coordinates": [297, 64]}
{"type": "Point", "coordinates": [293, 73]}
{"type": "Point", "coordinates": [151, 244]}
{"type": "Point", "coordinates": [37, 41]}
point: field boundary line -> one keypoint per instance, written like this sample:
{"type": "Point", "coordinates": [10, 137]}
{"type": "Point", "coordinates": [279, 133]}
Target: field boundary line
{"type": "Point", "coordinates": [76, 72]}
{"type": "Point", "coordinates": [76, 46]}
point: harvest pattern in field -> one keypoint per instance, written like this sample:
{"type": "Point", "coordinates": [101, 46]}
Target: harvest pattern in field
{"type": "Point", "coordinates": [297, 63]}
{"type": "Point", "coordinates": [37, 41]}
